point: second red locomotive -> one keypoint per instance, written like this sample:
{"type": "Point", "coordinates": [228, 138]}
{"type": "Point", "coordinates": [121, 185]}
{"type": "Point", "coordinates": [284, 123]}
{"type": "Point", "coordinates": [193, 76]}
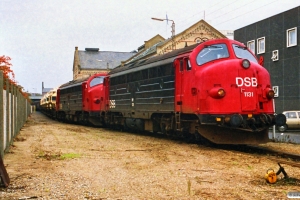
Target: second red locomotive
{"type": "Point", "coordinates": [82, 100]}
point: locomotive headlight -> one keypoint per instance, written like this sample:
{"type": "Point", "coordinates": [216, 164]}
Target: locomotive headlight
{"type": "Point", "coordinates": [96, 100]}
{"type": "Point", "coordinates": [217, 93]}
{"type": "Point", "coordinates": [245, 63]}
{"type": "Point", "coordinates": [221, 92]}
{"type": "Point", "coordinates": [269, 93]}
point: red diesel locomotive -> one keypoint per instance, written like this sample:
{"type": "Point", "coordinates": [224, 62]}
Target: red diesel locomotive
{"type": "Point", "coordinates": [215, 89]}
{"type": "Point", "coordinates": [82, 100]}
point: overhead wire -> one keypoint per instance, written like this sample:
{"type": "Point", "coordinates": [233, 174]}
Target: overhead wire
{"type": "Point", "coordinates": [246, 12]}
{"type": "Point", "coordinates": [226, 13]}
{"type": "Point", "coordinates": [222, 7]}
{"type": "Point", "coordinates": [199, 12]}
{"type": "Point", "coordinates": [235, 9]}
{"type": "Point", "coordinates": [218, 3]}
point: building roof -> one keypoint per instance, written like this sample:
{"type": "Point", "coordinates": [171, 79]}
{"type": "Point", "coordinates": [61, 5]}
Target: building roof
{"type": "Point", "coordinates": [45, 90]}
{"type": "Point", "coordinates": [146, 52]}
{"type": "Point", "coordinates": [92, 58]}
{"type": "Point", "coordinates": [152, 50]}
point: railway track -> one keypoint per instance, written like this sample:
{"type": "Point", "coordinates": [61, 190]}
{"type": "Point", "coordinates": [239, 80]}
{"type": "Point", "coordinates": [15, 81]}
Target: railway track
{"type": "Point", "coordinates": [275, 155]}
{"type": "Point", "coordinates": [278, 154]}
{"type": "Point", "coordinates": [279, 157]}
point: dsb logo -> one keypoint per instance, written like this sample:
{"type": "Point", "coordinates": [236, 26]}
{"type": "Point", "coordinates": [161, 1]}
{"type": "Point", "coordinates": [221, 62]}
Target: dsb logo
{"type": "Point", "coordinates": [247, 81]}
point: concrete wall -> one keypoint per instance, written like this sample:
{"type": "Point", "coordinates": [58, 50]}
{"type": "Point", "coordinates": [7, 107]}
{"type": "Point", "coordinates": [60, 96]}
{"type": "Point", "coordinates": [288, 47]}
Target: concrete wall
{"type": "Point", "coordinates": [14, 112]}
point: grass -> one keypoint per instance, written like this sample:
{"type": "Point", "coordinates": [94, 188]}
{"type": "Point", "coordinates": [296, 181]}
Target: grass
{"type": "Point", "coordinates": [51, 155]}
{"type": "Point", "coordinates": [189, 186]}
{"type": "Point", "coordinates": [69, 156]}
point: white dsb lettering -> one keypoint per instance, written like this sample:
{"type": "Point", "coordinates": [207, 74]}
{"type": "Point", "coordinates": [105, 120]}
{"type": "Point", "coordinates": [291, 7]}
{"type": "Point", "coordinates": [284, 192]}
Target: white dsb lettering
{"type": "Point", "coordinates": [247, 81]}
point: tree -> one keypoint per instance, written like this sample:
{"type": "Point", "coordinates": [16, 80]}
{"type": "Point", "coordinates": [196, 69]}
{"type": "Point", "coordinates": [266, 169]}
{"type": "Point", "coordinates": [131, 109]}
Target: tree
{"type": "Point", "coordinates": [5, 66]}
{"type": "Point", "coordinates": [9, 75]}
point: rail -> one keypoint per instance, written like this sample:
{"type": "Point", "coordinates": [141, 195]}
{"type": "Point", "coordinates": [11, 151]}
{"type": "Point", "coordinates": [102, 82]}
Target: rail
{"type": "Point", "coordinates": [13, 114]}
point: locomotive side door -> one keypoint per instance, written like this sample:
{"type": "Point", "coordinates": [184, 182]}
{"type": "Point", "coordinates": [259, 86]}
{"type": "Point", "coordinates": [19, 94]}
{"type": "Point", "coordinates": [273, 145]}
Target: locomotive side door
{"type": "Point", "coordinates": [58, 103]}
{"type": "Point", "coordinates": [84, 98]}
{"type": "Point", "coordinates": [105, 101]}
{"type": "Point", "coordinates": [178, 84]}
{"type": "Point", "coordinates": [185, 90]}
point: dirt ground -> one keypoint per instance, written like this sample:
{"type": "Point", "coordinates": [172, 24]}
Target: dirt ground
{"type": "Point", "coordinates": [53, 160]}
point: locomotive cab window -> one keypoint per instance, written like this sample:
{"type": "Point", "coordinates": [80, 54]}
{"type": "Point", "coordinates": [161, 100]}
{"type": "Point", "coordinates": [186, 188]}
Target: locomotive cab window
{"type": "Point", "coordinates": [211, 53]}
{"type": "Point", "coordinates": [96, 81]}
{"type": "Point", "coordinates": [243, 53]}
{"type": "Point", "coordinates": [188, 64]}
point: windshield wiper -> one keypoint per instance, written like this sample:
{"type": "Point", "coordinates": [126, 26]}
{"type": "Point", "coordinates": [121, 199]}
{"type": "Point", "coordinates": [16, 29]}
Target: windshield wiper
{"type": "Point", "coordinates": [212, 46]}
{"type": "Point", "coordinates": [240, 47]}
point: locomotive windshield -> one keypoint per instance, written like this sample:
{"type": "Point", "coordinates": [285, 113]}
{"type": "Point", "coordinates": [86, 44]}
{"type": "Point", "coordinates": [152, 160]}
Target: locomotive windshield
{"type": "Point", "coordinates": [212, 52]}
{"type": "Point", "coordinates": [96, 81]}
{"type": "Point", "coordinates": [243, 52]}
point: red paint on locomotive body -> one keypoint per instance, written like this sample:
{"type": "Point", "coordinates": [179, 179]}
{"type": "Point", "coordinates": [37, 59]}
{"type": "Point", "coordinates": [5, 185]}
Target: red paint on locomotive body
{"type": "Point", "coordinates": [206, 71]}
{"type": "Point", "coordinates": [245, 88]}
{"type": "Point", "coordinates": [222, 82]}
{"type": "Point", "coordinates": [93, 93]}
{"type": "Point", "coordinates": [82, 100]}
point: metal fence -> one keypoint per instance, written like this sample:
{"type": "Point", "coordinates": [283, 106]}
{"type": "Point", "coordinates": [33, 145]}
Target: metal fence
{"type": "Point", "coordinates": [13, 114]}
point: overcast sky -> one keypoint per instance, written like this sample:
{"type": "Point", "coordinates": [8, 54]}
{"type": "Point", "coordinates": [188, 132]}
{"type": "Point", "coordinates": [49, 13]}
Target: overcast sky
{"type": "Point", "coordinates": [40, 35]}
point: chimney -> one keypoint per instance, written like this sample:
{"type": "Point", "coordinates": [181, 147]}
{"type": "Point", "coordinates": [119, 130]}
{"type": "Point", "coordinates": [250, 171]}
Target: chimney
{"type": "Point", "coordinates": [76, 48]}
{"type": "Point", "coordinates": [42, 85]}
{"type": "Point", "coordinates": [92, 49]}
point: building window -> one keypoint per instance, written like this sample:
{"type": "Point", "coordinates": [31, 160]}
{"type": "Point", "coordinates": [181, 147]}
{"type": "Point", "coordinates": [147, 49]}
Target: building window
{"type": "Point", "coordinates": [251, 45]}
{"type": "Point", "coordinates": [261, 45]}
{"type": "Point", "coordinates": [291, 37]}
